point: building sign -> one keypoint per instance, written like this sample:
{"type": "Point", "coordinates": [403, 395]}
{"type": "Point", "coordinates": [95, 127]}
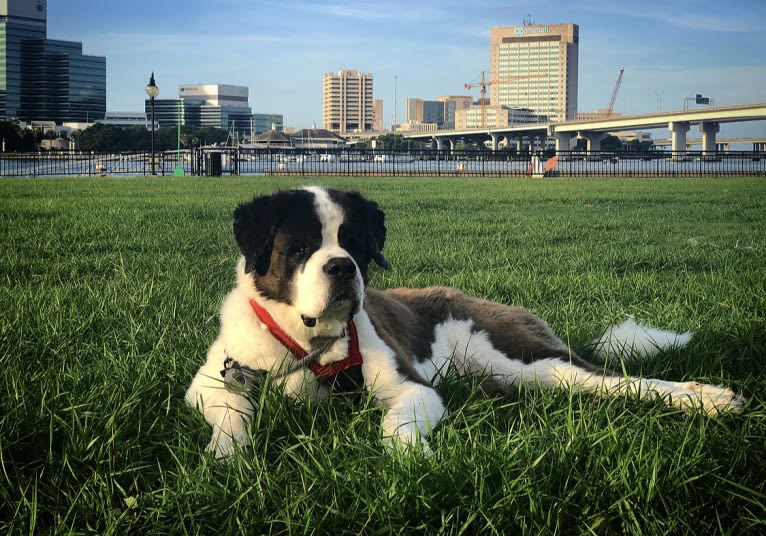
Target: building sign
{"type": "Point", "coordinates": [34, 9]}
{"type": "Point", "coordinates": [530, 30]}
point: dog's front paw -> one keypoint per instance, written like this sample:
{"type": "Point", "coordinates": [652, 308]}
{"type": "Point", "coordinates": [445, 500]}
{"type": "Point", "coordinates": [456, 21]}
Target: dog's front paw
{"type": "Point", "coordinates": [223, 445]}
{"type": "Point", "coordinates": [411, 444]}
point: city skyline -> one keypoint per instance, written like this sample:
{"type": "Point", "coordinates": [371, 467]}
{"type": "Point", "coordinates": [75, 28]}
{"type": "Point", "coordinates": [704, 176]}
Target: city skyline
{"type": "Point", "coordinates": [281, 50]}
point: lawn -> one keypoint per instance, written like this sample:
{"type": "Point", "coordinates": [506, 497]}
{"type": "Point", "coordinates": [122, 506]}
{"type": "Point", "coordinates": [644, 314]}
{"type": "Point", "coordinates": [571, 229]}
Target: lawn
{"type": "Point", "coordinates": [109, 295]}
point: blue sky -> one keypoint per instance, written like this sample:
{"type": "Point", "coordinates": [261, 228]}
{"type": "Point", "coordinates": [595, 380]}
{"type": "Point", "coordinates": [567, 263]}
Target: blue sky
{"type": "Point", "coordinates": [281, 49]}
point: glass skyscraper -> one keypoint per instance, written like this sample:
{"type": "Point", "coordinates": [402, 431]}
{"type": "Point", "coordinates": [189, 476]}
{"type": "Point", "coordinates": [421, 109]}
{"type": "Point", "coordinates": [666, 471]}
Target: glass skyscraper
{"type": "Point", "coordinates": [44, 79]}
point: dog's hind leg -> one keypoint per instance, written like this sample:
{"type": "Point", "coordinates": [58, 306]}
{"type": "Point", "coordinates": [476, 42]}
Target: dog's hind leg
{"type": "Point", "coordinates": [575, 374]}
{"type": "Point", "coordinates": [559, 372]}
{"type": "Point", "coordinates": [473, 352]}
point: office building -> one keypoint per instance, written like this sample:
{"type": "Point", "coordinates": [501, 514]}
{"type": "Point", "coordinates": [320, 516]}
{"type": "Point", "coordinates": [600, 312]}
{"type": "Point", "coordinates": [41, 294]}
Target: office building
{"type": "Point", "coordinates": [347, 102]}
{"type": "Point", "coordinates": [425, 111]}
{"type": "Point", "coordinates": [600, 113]}
{"type": "Point", "coordinates": [125, 119]}
{"type": "Point", "coordinates": [213, 105]}
{"type": "Point", "coordinates": [166, 112]}
{"type": "Point", "coordinates": [535, 66]}
{"type": "Point", "coordinates": [43, 79]}
{"type": "Point", "coordinates": [377, 124]}
{"type": "Point", "coordinates": [495, 116]}
{"type": "Point", "coordinates": [265, 122]}
{"type": "Point", "coordinates": [216, 105]}
{"type": "Point", "coordinates": [417, 126]}
{"type": "Point", "coordinates": [453, 103]}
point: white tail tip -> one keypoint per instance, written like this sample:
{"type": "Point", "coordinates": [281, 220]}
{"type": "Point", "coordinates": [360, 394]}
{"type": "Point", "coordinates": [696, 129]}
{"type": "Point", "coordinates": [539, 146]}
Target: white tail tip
{"type": "Point", "coordinates": [631, 340]}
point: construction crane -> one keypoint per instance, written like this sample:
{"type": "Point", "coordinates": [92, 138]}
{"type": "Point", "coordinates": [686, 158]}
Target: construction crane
{"type": "Point", "coordinates": [614, 93]}
{"type": "Point", "coordinates": [484, 83]}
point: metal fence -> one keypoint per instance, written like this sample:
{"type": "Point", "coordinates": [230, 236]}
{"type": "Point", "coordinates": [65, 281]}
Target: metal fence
{"type": "Point", "coordinates": [234, 161]}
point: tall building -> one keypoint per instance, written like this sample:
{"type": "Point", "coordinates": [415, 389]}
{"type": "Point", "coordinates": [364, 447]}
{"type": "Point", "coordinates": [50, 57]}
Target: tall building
{"type": "Point", "coordinates": [44, 79]}
{"type": "Point", "coordinates": [347, 103]}
{"type": "Point", "coordinates": [535, 66]}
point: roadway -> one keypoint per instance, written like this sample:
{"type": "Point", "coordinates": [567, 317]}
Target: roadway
{"type": "Point", "coordinates": [677, 122]}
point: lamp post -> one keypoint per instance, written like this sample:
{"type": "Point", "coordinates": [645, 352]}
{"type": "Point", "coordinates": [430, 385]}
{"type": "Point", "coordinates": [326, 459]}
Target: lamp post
{"type": "Point", "coordinates": [152, 90]}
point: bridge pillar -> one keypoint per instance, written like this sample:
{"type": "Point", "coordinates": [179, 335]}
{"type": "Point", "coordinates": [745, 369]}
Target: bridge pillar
{"type": "Point", "coordinates": [451, 144]}
{"type": "Point", "coordinates": [563, 141]}
{"type": "Point", "coordinates": [438, 143]}
{"type": "Point", "coordinates": [759, 147]}
{"type": "Point", "coordinates": [592, 140]}
{"type": "Point", "coordinates": [709, 130]}
{"type": "Point", "coordinates": [678, 130]}
{"type": "Point", "coordinates": [724, 147]}
{"type": "Point", "coordinates": [494, 140]}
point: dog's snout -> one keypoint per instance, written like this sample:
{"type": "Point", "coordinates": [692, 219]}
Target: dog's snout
{"type": "Point", "coordinates": [340, 268]}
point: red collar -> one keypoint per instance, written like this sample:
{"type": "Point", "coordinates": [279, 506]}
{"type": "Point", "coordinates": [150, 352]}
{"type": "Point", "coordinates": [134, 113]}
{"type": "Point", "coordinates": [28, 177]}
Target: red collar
{"type": "Point", "coordinates": [322, 372]}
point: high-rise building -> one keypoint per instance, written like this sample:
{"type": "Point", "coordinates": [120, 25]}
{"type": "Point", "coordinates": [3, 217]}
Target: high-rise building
{"type": "Point", "coordinates": [43, 79]}
{"type": "Point", "coordinates": [535, 66]}
{"type": "Point", "coordinates": [347, 102]}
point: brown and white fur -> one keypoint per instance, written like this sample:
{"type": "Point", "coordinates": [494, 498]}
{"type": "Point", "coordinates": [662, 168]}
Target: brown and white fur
{"type": "Point", "coordinates": [305, 255]}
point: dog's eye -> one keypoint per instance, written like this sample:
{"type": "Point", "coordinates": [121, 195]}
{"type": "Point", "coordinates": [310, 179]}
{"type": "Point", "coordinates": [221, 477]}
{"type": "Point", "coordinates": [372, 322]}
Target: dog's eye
{"type": "Point", "coordinates": [299, 247]}
{"type": "Point", "coordinates": [349, 240]}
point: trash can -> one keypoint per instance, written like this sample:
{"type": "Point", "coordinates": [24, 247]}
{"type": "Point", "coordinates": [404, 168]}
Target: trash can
{"type": "Point", "coordinates": [213, 164]}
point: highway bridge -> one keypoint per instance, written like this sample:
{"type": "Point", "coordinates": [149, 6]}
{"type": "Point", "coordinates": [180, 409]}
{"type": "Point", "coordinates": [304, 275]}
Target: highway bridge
{"type": "Point", "coordinates": [593, 131]}
{"type": "Point", "coordinates": [722, 144]}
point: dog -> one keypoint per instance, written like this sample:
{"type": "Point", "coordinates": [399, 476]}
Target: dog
{"type": "Point", "coordinates": [302, 315]}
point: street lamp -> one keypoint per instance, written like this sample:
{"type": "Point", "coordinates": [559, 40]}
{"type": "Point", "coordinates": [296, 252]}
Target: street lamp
{"type": "Point", "coordinates": [152, 90]}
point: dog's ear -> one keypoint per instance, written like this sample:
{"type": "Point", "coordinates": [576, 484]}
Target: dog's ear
{"type": "Point", "coordinates": [254, 226]}
{"type": "Point", "coordinates": [376, 233]}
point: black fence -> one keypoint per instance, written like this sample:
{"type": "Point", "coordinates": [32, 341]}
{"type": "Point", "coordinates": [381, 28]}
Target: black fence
{"type": "Point", "coordinates": [234, 161]}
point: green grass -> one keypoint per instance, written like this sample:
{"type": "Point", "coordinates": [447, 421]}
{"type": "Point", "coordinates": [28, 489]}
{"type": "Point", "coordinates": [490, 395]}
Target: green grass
{"type": "Point", "coordinates": [109, 294]}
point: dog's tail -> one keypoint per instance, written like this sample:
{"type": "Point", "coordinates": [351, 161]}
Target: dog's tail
{"type": "Point", "coordinates": [635, 341]}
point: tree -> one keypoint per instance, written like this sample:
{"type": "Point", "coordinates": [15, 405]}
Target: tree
{"type": "Point", "coordinates": [11, 134]}
{"type": "Point", "coordinates": [611, 143]}
{"type": "Point", "coordinates": [28, 141]}
{"type": "Point", "coordinates": [100, 137]}
{"type": "Point", "coordinates": [393, 142]}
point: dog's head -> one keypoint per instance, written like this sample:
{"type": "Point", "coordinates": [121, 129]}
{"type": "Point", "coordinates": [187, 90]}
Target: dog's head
{"type": "Point", "coordinates": [311, 249]}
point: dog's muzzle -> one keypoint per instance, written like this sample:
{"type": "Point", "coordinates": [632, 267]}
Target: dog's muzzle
{"type": "Point", "coordinates": [341, 273]}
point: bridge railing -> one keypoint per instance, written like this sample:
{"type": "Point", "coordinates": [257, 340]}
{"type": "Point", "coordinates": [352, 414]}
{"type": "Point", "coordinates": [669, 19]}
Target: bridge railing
{"type": "Point", "coordinates": [344, 162]}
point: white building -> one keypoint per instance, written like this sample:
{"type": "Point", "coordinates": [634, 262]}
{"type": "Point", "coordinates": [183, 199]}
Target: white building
{"type": "Point", "coordinates": [347, 102]}
{"type": "Point", "coordinates": [496, 117]}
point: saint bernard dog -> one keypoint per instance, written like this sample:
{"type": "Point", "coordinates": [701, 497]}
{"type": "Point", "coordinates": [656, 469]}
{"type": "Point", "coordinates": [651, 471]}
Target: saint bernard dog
{"type": "Point", "coordinates": [302, 315]}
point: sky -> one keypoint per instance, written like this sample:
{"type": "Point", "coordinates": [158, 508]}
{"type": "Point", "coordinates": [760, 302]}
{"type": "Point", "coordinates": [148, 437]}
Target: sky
{"type": "Point", "coordinates": [280, 50]}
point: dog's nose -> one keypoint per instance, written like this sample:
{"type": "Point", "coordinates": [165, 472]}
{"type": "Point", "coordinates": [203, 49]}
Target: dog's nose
{"type": "Point", "coordinates": [342, 268]}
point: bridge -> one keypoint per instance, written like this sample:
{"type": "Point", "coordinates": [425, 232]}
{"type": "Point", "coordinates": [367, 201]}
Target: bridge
{"type": "Point", "coordinates": [722, 144]}
{"type": "Point", "coordinates": [593, 131]}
